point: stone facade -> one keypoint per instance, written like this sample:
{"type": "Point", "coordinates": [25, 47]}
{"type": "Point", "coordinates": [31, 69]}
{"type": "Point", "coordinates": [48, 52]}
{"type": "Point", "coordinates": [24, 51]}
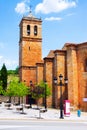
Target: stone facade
{"type": "Point", "coordinates": [30, 48]}
{"type": "Point", "coordinates": [70, 61]}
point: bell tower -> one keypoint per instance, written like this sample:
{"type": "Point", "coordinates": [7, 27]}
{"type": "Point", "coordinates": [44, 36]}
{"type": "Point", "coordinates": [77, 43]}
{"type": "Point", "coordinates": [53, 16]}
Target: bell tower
{"type": "Point", "coordinates": [30, 47]}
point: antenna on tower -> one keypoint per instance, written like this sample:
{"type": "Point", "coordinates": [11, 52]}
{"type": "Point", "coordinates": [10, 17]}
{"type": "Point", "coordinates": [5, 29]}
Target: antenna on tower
{"type": "Point", "coordinates": [30, 11]}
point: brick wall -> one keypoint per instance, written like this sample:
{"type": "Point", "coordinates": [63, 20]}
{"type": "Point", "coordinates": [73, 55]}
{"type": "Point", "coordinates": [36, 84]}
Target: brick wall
{"type": "Point", "coordinates": [48, 75]}
{"type": "Point", "coordinates": [82, 75]}
{"type": "Point", "coordinates": [31, 53]}
{"type": "Point", "coordinates": [59, 68]}
{"type": "Point", "coordinates": [30, 48]}
{"type": "Point", "coordinates": [72, 72]}
{"type": "Point", "coordinates": [39, 72]}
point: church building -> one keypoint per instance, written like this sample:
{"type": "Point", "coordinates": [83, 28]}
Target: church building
{"type": "Point", "coordinates": [70, 61]}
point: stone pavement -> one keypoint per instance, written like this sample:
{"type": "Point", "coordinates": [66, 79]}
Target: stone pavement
{"type": "Point", "coordinates": [34, 114]}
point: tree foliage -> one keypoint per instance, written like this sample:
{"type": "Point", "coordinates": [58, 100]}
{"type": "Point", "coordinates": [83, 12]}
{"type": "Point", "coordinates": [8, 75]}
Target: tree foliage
{"type": "Point", "coordinates": [16, 88]}
{"type": "Point", "coordinates": [1, 90]}
{"type": "Point", "coordinates": [48, 89]}
{"type": "Point", "coordinates": [40, 91]}
{"type": "Point", "coordinates": [14, 72]}
{"type": "Point", "coordinates": [3, 76]}
{"type": "Point", "coordinates": [11, 89]}
{"type": "Point", "coordinates": [17, 70]}
{"type": "Point", "coordinates": [21, 90]}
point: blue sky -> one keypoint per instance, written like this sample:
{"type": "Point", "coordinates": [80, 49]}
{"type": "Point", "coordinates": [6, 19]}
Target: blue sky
{"type": "Point", "coordinates": [63, 21]}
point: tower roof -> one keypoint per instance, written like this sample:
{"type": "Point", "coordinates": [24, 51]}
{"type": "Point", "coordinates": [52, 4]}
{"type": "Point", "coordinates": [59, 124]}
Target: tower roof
{"type": "Point", "coordinates": [31, 17]}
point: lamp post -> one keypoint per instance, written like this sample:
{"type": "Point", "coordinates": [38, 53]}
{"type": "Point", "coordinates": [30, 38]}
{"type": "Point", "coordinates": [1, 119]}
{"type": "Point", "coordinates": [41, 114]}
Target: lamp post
{"type": "Point", "coordinates": [45, 95]}
{"type": "Point", "coordinates": [31, 94]}
{"type": "Point", "coordinates": [61, 100]}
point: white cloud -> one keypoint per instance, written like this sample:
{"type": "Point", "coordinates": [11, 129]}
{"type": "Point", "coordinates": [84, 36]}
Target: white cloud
{"type": "Point", "coordinates": [49, 6]}
{"type": "Point", "coordinates": [1, 58]}
{"type": "Point", "coordinates": [22, 7]}
{"type": "Point", "coordinates": [70, 14]}
{"type": "Point", "coordinates": [53, 19]}
{"type": "Point", "coordinates": [10, 64]}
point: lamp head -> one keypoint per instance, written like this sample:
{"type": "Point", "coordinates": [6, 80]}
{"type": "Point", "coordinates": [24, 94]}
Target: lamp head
{"type": "Point", "coordinates": [66, 80]}
{"type": "Point", "coordinates": [60, 77]}
{"type": "Point", "coordinates": [55, 80]}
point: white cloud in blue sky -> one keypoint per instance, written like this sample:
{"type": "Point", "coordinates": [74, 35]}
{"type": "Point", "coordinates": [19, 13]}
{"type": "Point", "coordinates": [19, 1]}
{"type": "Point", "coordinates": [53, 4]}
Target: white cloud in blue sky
{"type": "Point", "coordinates": [3, 59]}
{"type": "Point", "coordinates": [53, 19]}
{"type": "Point", "coordinates": [71, 27]}
{"type": "Point", "coordinates": [8, 62]}
{"type": "Point", "coordinates": [47, 6]}
{"type": "Point", "coordinates": [70, 14]}
{"type": "Point", "coordinates": [22, 7]}
{"type": "Point", "coordinates": [50, 6]}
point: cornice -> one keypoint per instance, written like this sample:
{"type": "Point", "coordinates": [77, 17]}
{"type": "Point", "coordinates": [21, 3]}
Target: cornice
{"type": "Point", "coordinates": [27, 67]}
{"type": "Point", "coordinates": [60, 52]}
{"type": "Point", "coordinates": [31, 39]}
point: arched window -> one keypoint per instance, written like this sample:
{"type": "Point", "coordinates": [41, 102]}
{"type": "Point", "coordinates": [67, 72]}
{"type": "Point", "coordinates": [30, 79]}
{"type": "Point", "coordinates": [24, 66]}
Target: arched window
{"type": "Point", "coordinates": [35, 30]}
{"type": "Point", "coordinates": [85, 65]}
{"type": "Point", "coordinates": [28, 29]}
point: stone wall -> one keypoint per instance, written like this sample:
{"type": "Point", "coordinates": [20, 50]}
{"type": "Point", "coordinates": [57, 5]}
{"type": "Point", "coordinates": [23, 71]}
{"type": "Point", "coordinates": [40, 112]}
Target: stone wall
{"type": "Point", "coordinates": [39, 72]}
{"type": "Point", "coordinates": [72, 73]}
{"type": "Point", "coordinates": [31, 53]}
{"type": "Point", "coordinates": [28, 74]}
{"type": "Point", "coordinates": [59, 68]}
{"type": "Point", "coordinates": [48, 76]}
{"type": "Point", "coordinates": [82, 75]}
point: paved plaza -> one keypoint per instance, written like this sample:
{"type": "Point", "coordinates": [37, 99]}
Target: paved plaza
{"type": "Point", "coordinates": [34, 114]}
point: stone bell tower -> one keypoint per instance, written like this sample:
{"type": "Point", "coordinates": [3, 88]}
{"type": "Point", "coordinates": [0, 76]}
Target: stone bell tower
{"type": "Point", "coordinates": [30, 47]}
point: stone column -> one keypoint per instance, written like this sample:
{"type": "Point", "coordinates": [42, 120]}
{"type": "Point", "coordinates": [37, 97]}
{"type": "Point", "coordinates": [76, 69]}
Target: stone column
{"type": "Point", "coordinates": [48, 76]}
{"type": "Point", "coordinates": [39, 72]}
{"type": "Point", "coordinates": [59, 68]}
{"type": "Point", "coordinates": [72, 73]}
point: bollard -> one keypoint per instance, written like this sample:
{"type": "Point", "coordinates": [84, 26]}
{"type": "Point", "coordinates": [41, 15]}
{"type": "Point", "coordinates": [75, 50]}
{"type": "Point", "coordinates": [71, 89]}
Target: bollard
{"type": "Point", "coordinates": [78, 113]}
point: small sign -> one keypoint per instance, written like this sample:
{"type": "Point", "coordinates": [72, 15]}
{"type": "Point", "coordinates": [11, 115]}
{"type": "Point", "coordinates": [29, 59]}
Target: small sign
{"type": "Point", "coordinates": [85, 99]}
{"type": "Point", "coordinates": [66, 107]}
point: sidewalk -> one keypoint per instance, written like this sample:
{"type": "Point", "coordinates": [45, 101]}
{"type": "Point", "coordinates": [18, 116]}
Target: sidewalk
{"type": "Point", "coordinates": [34, 114]}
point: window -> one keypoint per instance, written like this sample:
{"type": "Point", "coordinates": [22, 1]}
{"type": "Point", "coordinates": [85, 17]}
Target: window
{"type": "Point", "coordinates": [85, 65]}
{"type": "Point", "coordinates": [29, 48]}
{"type": "Point", "coordinates": [28, 29]}
{"type": "Point", "coordinates": [35, 30]}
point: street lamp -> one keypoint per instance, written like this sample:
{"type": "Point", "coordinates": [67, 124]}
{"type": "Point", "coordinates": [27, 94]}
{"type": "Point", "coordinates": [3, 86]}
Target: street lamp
{"type": "Point", "coordinates": [30, 96]}
{"type": "Point", "coordinates": [45, 94]}
{"type": "Point", "coordinates": [61, 100]}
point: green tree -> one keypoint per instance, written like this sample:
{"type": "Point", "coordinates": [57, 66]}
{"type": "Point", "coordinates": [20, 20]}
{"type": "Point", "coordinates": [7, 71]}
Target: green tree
{"type": "Point", "coordinates": [21, 91]}
{"type": "Point", "coordinates": [11, 90]}
{"type": "Point", "coordinates": [11, 72]}
{"type": "Point", "coordinates": [16, 88]}
{"type": "Point", "coordinates": [3, 76]}
{"type": "Point", "coordinates": [17, 70]}
{"type": "Point", "coordinates": [39, 91]}
{"type": "Point", "coordinates": [1, 90]}
{"type": "Point", "coordinates": [48, 89]}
